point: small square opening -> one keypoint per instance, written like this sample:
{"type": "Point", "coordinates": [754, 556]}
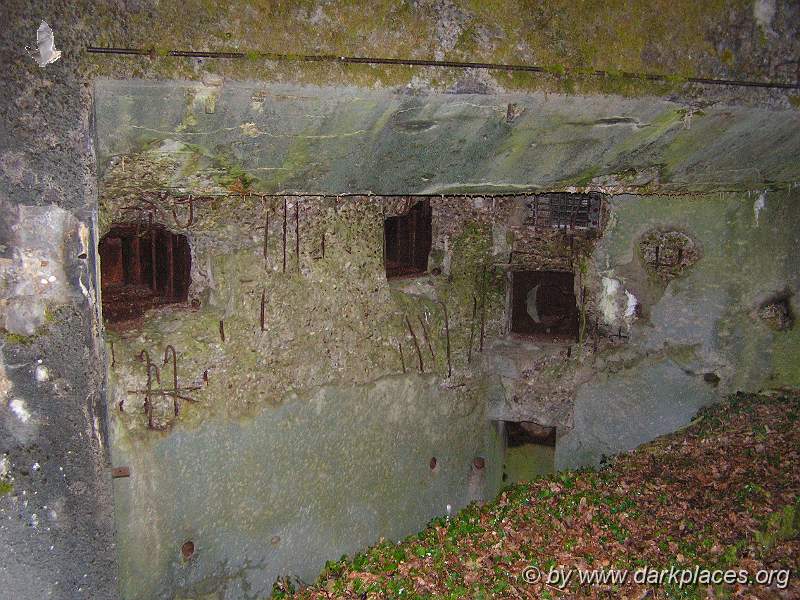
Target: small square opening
{"type": "Point", "coordinates": [141, 268]}
{"type": "Point", "coordinates": [530, 451]}
{"type": "Point", "coordinates": [407, 241]}
{"type": "Point", "coordinates": [543, 304]}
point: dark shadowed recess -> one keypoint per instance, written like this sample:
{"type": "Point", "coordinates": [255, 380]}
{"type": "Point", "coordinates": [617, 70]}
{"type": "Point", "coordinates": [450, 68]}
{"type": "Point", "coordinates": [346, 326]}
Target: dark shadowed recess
{"type": "Point", "coordinates": [543, 304]}
{"type": "Point", "coordinates": [141, 268]}
{"type": "Point", "coordinates": [408, 241]}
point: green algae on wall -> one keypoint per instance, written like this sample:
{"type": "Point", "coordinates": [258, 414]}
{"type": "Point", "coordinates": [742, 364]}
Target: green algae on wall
{"type": "Point", "coordinates": [569, 40]}
{"type": "Point", "coordinates": [310, 433]}
{"type": "Point", "coordinates": [700, 335]}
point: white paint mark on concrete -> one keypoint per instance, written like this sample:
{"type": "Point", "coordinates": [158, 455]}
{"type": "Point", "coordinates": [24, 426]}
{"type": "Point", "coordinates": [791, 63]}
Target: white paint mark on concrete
{"type": "Point", "coordinates": [19, 409]}
{"type": "Point", "coordinates": [41, 373]}
{"type": "Point", "coordinates": [630, 307]}
{"type": "Point", "coordinates": [608, 301]}
{"type": "Point", "coordinates": [84, 289]}
{"type": "Point", "coordinates": [46, 44]}
{"type": "Point", "coordinates": [759, 205]}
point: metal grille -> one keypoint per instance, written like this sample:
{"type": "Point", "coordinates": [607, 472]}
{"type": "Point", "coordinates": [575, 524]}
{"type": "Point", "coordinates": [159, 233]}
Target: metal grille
{"type": "Point", "coordinates": [565, 211]}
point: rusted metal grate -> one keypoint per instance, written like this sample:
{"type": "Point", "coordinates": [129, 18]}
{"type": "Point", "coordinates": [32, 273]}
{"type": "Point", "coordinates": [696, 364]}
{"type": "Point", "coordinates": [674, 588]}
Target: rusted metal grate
{"type": "Point", "coordinates": [565, 211]}
{"type": "Point", "coordinates": [407, 241]}
{"type": "Point", "coordinates": [140, 268]}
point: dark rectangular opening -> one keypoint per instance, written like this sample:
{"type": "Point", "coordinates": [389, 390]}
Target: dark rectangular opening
{"type": "Point", "coordinates": [543, 304]}
{"type": "Point", "coordinates": [407, 241]}
{"type": "Point", "coordinates": [521, 433]}
{"type": "Point", "coordinates": [562, 210]}
{"type": "Point", "coordinates": [529, 452]}
{"type": "Point", "coordinates": [140, 268]}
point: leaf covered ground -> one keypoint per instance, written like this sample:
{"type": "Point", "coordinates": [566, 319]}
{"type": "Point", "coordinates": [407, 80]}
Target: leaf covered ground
{"type": "Point", "coordinates": [723, 493]}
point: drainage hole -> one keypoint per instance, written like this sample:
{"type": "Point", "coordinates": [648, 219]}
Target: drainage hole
{"type": "Point", "coordinates": [187, 550]}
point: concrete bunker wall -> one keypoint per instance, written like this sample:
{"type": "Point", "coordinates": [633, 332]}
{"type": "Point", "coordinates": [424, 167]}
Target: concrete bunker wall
{"type": "Point", "coordinates": [53, 410]}
{"type": "Point", "coordinates": [319, 395]}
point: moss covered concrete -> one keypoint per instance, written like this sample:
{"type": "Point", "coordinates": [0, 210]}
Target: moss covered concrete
{"type": "Point", "coordinates": [48, 158]}
{"type": "Point", "coordinates": [274, 138]}
{"type": "Point", "coordinates": [699, 335]}
{"type": "Point", "coordinates": [312, 437]}
{"type": "Point", "coordinates": [570, 40]}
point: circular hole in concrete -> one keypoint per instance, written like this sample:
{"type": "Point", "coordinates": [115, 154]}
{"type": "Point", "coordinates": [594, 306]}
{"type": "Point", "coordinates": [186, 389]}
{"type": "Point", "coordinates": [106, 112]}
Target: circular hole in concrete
{"type": "Point", "coordinates": [479, 462]}
{"type": "Point", "coordinates": [433, 463]}
{"type": "Point", "coordinates": [187, 550]}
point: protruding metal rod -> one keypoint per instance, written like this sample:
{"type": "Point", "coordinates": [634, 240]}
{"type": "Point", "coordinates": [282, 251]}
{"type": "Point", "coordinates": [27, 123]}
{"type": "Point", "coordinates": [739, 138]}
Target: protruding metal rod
{"type": "Point", "coordinates": [190, 220]}
{"type": "Point", "coordinates": [483, 306]}
{"type": "Point", "coordinates": [148, 401]}
{"type": "Point", "coordinates": [427, 337]}
{"type": "Point", "coordinates": [263, 305]}
{"type": "Point", "coordinates": [297, 232]}
{"type": "Point", "coordinates": [266, 234]}
{"type": "Point", "coordinates": [284, 235]}
{"type": "Point", "coordinates": [416, 345]}
{"type": "Point", "coordinates": [447, 336]}
{"type": "Point", "coordinates": [472, 326]}
{"type": "Point", "coordinates": [421, 62]}
{"type": "Point", "coordinates": [222, 330]}
{"type": "Point", "coordinates": [167, 350]}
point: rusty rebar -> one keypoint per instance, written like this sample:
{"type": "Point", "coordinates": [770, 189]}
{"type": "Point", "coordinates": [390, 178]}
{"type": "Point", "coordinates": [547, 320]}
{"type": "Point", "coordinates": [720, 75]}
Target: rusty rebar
{"type": "Point", "coordinates": [297, 232]}
{"type": "Point", "coordinates": [174, 373]}
{"type": "Point", "coordinates": [416, 345]}
{"type": "Point", "coordinates": [266, 234]}
{"type": "Point", "coordinates": [472, 326]}
{"type": "Point", "coordinates": [190, 220]}
{"type": "Point", "coordinates": [144, 356]}
{"type": "Point", "coordinates": [483, 306]}
{"type": "Point", "coordinates": [425, 62]}
{"type": "Point", "coordinates": [148, 402]}
{"type": "Point", "coordinates": [263, 304]}
{"type": "Point", "coordinates": [447, 336]}
{"type": "Point", "coordinates": [113, 359]}
{"type": "Point", "coordinates": [427, 337]}
{"type": "Point", "coordinates": [284, 235]}
{"type": "Point", "coordinates": [222, 330]}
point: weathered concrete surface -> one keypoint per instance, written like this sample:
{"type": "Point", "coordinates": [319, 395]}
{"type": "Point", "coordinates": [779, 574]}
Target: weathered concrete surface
{"type": "Point", "coordinates": [40, 248]}
{"type": "Point", "coordinates": [704, 321]}
{"type": "Point", "coordinates": [56, 518]}
{"type": "Point", "coordinates": [281, 493]}
{"type": "Point", "coordinates": [347, 140]}
{"type": "Point", "coordinates": [317, 429]}
{"type": "Point", "coordinates": [47, 157]}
